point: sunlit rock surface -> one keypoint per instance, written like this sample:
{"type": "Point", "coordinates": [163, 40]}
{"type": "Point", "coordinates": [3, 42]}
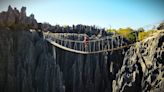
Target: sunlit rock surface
{"type": "Point", "coordinates": [143, 67]}
{"type": "Point", "coordinates": [29, 63]}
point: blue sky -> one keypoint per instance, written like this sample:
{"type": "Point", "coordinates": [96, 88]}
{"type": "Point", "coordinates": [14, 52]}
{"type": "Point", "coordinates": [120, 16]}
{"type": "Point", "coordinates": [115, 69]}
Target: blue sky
{"type": "Point", "coordinates": [102, 13]}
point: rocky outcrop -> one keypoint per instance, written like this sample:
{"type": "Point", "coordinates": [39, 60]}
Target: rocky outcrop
{"type": "Point", "coordinates": [28, 63]}
{"type": "Point", "coordinates": [143, 67]}
{"type": "Point", "coordinates": [15, 19]}
{"type": "Point", "coordinates": [161, 26]}
{"type": "Point", "coordinates": [10, 16]}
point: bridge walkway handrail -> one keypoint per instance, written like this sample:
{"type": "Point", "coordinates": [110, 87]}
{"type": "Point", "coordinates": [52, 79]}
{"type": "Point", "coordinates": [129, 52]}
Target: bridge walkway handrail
{"type": "Point", "coordinates": [94, 46]}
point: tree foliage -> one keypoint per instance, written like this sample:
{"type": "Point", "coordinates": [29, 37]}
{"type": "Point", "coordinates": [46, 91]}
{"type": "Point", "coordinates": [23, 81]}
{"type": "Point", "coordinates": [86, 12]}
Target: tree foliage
{"type": "Point", "coordinates": [142, 35]}
{"type": "Point", "coordinates": [128, 33]}
{"type": "Point", "coordinates": [132, 35]}
{"type": "Point", "coordinates": [112, 30]}
{"type": "Point", "coordinates": [145, 34]}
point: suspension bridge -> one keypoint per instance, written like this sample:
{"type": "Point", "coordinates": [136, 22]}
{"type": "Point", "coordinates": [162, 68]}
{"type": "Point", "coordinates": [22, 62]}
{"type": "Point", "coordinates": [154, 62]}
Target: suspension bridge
{"type": "Point", "coordinates": [75, 43]}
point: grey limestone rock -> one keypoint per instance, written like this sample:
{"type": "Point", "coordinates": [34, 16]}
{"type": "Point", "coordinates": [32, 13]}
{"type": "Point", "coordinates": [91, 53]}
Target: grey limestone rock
{"type": "Point", "coordinates": [16, 19]}
{"type": "Point", "coordinates": [142, 68]}
{"type": "Point", "coordinates": [10, 16]}
{"type": "Point", "coordinates": [29, 63]}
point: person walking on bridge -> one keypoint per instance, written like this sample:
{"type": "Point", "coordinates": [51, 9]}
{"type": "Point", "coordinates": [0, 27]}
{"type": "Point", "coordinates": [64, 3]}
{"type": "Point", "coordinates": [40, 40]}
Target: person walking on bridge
{"type": "Point", "coordinates": [86, 41]}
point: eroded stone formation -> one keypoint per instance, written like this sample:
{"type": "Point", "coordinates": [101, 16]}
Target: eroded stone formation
{"type": "Point", "coordinates": [28, 63]}
{"type": "Point", "coordinates": [16, 19]}
{"type": "Point", "coordinates": [143, 67]}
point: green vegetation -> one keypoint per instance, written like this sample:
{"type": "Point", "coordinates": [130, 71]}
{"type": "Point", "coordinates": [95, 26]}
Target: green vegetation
{"type": "Point", "coordinates": [132, 35]}
{"type": "Point", "coordinates": [145, 34]}
{"type": "Point", "coordinates": [142, 35]}
{"type": "Point", "coordinates": [127, 33]}
{"type": "Point", "coordinates": [112, 30]}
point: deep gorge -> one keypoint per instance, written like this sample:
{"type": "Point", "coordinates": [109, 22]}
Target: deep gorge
{"type": "Point", "coordinates": [29, 63]}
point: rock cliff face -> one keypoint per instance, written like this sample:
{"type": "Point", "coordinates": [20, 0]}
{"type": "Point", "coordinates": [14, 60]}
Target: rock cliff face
{"type": "Point", "coordinates": [28, 63]}
{"type": "Point", "coordinates": [143, 67]}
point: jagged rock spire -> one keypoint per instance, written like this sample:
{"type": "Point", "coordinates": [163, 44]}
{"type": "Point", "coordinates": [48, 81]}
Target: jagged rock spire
{"type": "Point", "coordinates": [10, 8]}
{"type": "Point", "coordinates": [10, 16]}
{"type": "Point", "coordinates": [32, 16]}
{"type": "Point", "coordinates": [23, 11]}
{"type": "Point", "coordinates": [14, 18]}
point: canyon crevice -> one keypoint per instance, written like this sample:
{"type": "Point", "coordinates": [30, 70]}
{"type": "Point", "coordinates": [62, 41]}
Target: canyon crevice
{"type": "Point", "coordinates": [29, 63]}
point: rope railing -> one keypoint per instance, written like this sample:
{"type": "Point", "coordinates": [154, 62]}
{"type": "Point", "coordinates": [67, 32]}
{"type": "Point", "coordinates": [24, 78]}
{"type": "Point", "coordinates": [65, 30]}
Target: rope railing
{"type": "Point", "coordinates": [56, 36]}
{"type": "Point", "coordinates": [103, 44]}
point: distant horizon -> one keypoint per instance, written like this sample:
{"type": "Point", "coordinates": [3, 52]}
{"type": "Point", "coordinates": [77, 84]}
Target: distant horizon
{"type": "Point", "coordinates": [112, 14]}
